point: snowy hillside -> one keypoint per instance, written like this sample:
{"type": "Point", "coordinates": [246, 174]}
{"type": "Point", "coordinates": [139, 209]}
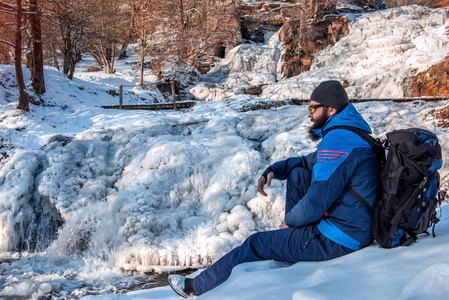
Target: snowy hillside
{"type": "Point", "coordinates": [98, 191]}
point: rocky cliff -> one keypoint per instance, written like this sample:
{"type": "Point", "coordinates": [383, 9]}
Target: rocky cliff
{"type": "Point", "coordinates": [433, 82]}
{"type": "Point", "coordinates": [307, 26]}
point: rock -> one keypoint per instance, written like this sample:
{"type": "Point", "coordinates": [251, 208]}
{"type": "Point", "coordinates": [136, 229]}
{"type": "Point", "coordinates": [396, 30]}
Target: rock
{"type": "Point", "coordinates": [308, 34]}
{"type": "Point", "coordinates": [368, 5]}
{"type": "Point", "coordinates": [439, 4]}
{"type": "Point", "coordinates": [254, 90]}
{"type": "Point", "coordinates": [223, 28]}
{"type": "Point", "coordinates": [45, 288]}
{"type": "Point", "coordinates": [433, 82]}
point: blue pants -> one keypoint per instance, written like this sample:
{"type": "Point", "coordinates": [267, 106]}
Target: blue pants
{"type": "Point", "coordinates": [289, 245]}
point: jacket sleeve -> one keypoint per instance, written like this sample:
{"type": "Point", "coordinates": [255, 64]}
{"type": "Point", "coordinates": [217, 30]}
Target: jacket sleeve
{"type": "Point", "coordinates": [335, 163]}
{"type": "Point", "coordinates": [282, 169]}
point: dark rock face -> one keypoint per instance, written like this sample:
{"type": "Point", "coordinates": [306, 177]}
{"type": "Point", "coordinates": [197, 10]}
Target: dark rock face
{"type": "Point", "coordinates": [315, 26]}
{"type": "Point", "coordinates": [439, 4]}
{"type": "Point", "coordinates": [302, 45]}
{"type": "Point", "coordinates": [223, 27]}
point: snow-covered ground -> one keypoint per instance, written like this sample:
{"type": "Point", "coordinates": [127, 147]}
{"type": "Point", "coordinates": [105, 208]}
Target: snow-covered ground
{"type": "Point", "coordinates": [99, 191]}
{"type": "Point", "coordinates": [417, 272]}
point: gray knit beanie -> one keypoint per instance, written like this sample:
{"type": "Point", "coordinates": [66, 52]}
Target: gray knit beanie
{"type": "Point", "coordinates": [331, 93]}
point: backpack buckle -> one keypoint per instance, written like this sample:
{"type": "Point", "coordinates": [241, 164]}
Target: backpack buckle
{"type": "Point", "coordinates": [422, 185]}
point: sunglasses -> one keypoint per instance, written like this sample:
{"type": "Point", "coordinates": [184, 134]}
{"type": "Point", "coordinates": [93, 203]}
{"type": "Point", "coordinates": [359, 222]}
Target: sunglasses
{"type": "Point", "coordinates": [313, 108]}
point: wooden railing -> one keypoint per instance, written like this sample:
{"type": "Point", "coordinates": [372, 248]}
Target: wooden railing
{"type": "Point", "coordinates": [297, 101]}
{"type": "Point", "coordinates": [159, 106]}
{"type": "Point", "coordinates": [148, 106]}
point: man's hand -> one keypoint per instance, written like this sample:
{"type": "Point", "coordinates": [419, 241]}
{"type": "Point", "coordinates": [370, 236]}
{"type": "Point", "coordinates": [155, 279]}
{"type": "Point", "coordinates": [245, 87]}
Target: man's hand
{"type": "Point", "coordinates": [262, 183]}
{"type": "Point", "coordinates": [283, 225]}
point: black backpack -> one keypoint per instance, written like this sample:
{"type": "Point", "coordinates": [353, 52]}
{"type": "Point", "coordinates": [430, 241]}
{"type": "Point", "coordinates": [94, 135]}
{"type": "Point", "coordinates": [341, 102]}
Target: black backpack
{"type": "Point", "coordinates": [410, 185]}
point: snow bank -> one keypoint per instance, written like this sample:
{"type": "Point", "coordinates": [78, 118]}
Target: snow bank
{"type": "Point", "coordinates": [420, 271]}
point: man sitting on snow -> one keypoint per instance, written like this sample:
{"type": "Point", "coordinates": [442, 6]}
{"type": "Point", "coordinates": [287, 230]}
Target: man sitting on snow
{"type": "Point", "coordinates": [323, 220]}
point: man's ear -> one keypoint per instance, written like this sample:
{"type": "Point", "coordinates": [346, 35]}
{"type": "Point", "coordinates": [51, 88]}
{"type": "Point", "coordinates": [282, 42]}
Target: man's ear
{"type": "Point", "coordinates": [331, 111]}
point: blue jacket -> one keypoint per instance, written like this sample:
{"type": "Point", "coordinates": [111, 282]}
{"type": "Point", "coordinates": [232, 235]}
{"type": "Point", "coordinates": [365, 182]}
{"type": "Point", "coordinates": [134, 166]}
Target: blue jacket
{"type": "Point", "coordinates": [342, 159]}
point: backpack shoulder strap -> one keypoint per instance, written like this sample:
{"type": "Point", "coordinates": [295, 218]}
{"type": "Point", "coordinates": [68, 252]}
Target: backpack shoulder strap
{"type": "Point", "coordinates": [379, 151]}
{"type": "Point", "coordinates": [360, 199]}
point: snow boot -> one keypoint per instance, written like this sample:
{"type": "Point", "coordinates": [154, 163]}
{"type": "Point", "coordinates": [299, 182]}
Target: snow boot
{"type": "Point", "coordinates": [181, 285]}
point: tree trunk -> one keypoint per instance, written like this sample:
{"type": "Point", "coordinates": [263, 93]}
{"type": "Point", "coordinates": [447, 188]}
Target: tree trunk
{"type": "Point", "coordinates": [142, 58]}
{"type": "Point", "coordinates": [97, 58]}
{"type": "Point", "coordinates": [108, 58]}
{"type": "Point", "coordinates": [71, 69]}
{"type": "Point", "coordinates": [141, 69]}
{"type": "Point", "coordinates": [105, 60]}
{"type": "Point", "coordinates": [113, 59]}
{"type": "Point", "coordinates": [67, 56]}
{"type": "Point", "coordinates": [122, 53]}
{"type": "Point", "coordinates": [29, 56]}
{"type": "Point", "coordinates": [129, 37]}
{"type": "Point", "coordinates": [53, 53]}
{"type": "Point", "coordinates": [37, 70]}
{"type": "Point", "coordinates": [181, 43]}
{"type": "Point", "coordinates": [23, 95]}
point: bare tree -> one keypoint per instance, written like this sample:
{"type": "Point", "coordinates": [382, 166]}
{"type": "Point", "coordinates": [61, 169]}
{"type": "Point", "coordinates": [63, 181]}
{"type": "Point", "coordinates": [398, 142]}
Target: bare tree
{"type": "Point", "coordinates": [187, 23]}
{"type": "Point", "coordinates": [173, 30]}
{"type": "Point", "coordinates": [195, 18]}
{"type": "Point", "coordinates": [104, 32]}
{"type": "Point", "coordinates": [70, 18]}
{"type": "Point", "coordinates": [144, 12]}
{"type": "Point", "coordinates": [17, 10]}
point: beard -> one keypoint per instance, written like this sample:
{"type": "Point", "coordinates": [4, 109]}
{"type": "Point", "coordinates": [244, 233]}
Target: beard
{"type": "Point", "coordinates": [320, 121]}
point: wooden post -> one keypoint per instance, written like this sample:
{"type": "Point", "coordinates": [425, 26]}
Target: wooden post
{"type": "Point", "coordinates": [120, 92]}
{"type": "Point", "coordinates": [173, 94]}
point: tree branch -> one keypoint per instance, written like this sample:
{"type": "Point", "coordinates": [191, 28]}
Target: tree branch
{"type": "Point", "coordinates": [7, 11]}
{"type": "Point", "coordinates": [8, 24]}
{"type": "Point", "coordinates": [4, 5]}
{"type": "Point", "coordinates": [11, 8]}
{"type": "Point", "coordinates": [7, 43]}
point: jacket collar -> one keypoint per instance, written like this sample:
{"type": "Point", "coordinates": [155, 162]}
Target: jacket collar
{"type": "Point", "coordinates": [349, 116]}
